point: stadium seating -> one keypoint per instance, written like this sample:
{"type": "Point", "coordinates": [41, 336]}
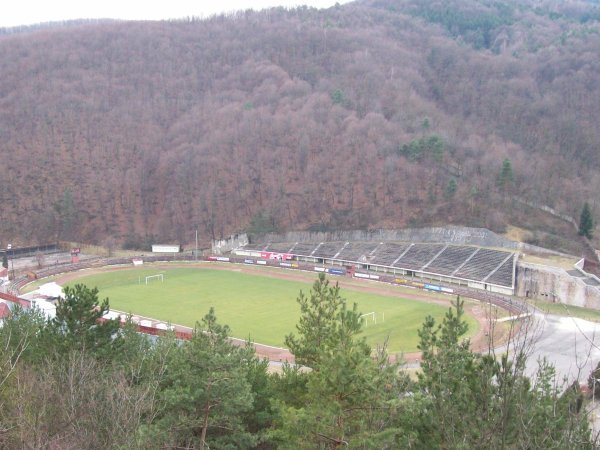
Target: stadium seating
{"type": "Point", "coordinates": [356, 251]}
{"type": "Point", "coordinates": [450, 259]}
{"type": "Point", "coordinates": [481, 264]}
{"type": "Point", "coordinates": [255, 247]}
{"type": "Point", "coordinates": [386, 254]}
{"type": "Point", "coordinates": [503, 275]}
{"type": "Point", "coordinates": [462, 262]}
{"type": "Point", "coordinates": [418, 256]}
{"type": "Point", "coordinates": [303, 248]}
{"type": "Point", "coordinates": [280, 247]}
{"type": "Point", "coordinates": [328, 250]}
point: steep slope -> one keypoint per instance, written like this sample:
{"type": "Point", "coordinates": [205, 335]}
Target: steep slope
{"type": "Point", "coordinates": [371, 114]}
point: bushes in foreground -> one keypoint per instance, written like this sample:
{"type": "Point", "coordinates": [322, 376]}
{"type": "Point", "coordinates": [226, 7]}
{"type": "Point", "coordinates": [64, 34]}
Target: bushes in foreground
{"type": "Point", "coordinates": [74, 383]}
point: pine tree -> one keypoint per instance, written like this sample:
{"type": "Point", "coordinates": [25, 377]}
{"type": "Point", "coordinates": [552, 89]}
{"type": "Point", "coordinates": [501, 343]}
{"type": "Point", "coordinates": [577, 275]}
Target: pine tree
{"type": "Point", "coordinates": [318, 313]}
{"type": "Point", "coordinates": [471, 400]}
{"type": "Point", "coordinates": [505, 177]}
{"type": "Point", "coordinates": [351, 395]}
{"type": "Point", "coordinates": [450, 188]}
{"type": "Point", "coordinates": [79, 323]}
{"type": "Point", "coordinates": [207, 395]}
{"type": "Point", "coordinates": [586, 222]}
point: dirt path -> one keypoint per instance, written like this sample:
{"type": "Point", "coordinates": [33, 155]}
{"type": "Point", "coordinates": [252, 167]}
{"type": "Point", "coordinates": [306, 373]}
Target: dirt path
{"type": "Point", "coordinates": [485, 336]}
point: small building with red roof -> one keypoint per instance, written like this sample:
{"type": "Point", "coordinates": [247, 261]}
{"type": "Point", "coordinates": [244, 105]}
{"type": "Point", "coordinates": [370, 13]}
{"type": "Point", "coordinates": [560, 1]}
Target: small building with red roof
{"type": "Point", "coordinates": [4, 311]}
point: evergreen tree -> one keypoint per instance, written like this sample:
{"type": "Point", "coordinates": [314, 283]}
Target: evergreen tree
{"type": "Point", "coordinates": [470, 400]}
{"type": "Point", "coordinates": [594, 381]}
{"type": "Point", "coordinates": [262, 222]}
{"type": "Point", "coordinates": [21, 334]}
{"type": "Point", "coordinates": [505, 177]}
{"type": "Point", "coordinates": [318, 313]}
{"type": "Point", "coordinates": [451, 188]}
{"type": "Point", "coordinates": [350, 397]}
{"type": "Point", "coordinates": [207, 394]}
{"type": "Point", "coordinates": [5, 261]}
{"type": "Point", "coordinates": [79, 323]}
{"type": "Point", "coordinates": [338, 97]}
{"type": "Point", "coordinates": [586, 222]}
{"type": "Point", "coordinates": [66, 215]}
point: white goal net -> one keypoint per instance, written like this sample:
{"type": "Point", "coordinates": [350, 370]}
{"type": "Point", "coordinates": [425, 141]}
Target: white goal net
{"type": "Point", "coordinates": [151, 278]}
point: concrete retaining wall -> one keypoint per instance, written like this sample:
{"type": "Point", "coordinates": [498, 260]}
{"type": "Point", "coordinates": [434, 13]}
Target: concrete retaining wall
{"type": "Point", "coordinates": [555, 285]}
{"type": "Point", "coordinates": [226, 245]}
{"type": "Point", "coordinates": [450, 235]}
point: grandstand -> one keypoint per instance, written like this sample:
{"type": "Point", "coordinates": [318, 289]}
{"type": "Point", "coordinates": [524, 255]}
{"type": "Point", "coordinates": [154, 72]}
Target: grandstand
{"type": "Point", "coordinates": [280, 248]}
{"type": "Point", "coordinates": [388, 253]}
{"type": "Point", "coordinates": [417, 256]}
{"type": "Point", "coordinates": [327, 250]}
{"type": "Point", "coordinates": [354, 251]}
{"type": "Point", "coordinates": [475, 267]}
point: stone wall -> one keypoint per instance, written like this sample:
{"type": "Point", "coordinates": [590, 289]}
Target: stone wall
{"type": "Point", "coordinates": [220, 247]}
{"type": "Point", "coordinates": [451, 235]}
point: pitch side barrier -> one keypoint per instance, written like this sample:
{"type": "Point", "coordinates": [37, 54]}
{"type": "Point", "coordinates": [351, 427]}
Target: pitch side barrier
{"type": "Point", "coordinates": [14, 299]}
{"type": "Point", "coordinates": [184, 335]}
{"type": "Point", "coordinates": [263, 351]}
{"type": "Point", "coordinates": [512, 305]}
{"type": "Point", "coordinates": [22, 280]}
{"type": "Point", "coordinates": [97, 263]}
{"type": "Point", "coordinates": [286, 264]}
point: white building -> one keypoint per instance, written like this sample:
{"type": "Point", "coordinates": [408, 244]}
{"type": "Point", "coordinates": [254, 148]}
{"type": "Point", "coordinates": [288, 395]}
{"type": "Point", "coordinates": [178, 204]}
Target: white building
{"type": "Point", "coordinates": [51, 290]}
{"type": "Point", "coordinates": [45, 307]}
{"type": "Point", "coordinates": [165, 248]}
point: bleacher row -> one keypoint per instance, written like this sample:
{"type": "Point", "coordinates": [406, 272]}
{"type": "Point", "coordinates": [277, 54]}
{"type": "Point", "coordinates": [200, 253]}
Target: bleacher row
{"type": "Point", "coordinates": [470, 263]}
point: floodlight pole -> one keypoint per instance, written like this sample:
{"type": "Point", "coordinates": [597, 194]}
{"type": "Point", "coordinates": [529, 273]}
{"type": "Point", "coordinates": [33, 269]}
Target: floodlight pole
{"type": "Point", "coordinates": [196, 252]}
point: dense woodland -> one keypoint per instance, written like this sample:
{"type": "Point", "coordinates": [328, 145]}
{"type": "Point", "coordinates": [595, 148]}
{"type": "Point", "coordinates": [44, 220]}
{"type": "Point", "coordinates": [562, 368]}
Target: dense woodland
{"type": "Point", "coordinates": [70, 383]}
{"type": "Point", "coordinates": [375, 113]}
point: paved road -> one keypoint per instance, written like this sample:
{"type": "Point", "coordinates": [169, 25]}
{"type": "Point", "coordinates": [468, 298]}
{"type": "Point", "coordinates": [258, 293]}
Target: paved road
{"type": "Point", "coordinates": [572, 345]}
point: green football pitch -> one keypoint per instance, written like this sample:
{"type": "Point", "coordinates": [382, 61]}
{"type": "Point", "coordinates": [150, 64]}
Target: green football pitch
{"type": "Point", "coordinates": [260, 308]}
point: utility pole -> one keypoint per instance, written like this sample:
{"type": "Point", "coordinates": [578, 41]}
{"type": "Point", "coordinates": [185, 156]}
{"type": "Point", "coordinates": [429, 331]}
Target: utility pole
{"type": "Point", "coordinates": [12, 264]}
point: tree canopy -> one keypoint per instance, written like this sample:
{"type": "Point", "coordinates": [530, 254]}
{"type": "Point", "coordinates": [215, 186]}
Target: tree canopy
{"type": "Point", "coordinates": [586, 221]}
{"type": "Point", "coordinates": [80, 324]}
{"type": "Point", "coordinates": [85, 391]}
{"type": "Point", "coordinates": [355, 116]}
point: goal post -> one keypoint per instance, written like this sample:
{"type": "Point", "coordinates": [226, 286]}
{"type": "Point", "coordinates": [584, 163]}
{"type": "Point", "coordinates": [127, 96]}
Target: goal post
{"type": "Point", "coordinates": [365, 317]}
{"type": "Point", "coordinates": [372, 317]}
{"type": "Point", "coordinates": [158, 277]}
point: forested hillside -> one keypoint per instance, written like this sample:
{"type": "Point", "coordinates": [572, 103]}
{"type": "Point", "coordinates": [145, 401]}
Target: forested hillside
{"type": "Point", "coordinates": [376, 113]}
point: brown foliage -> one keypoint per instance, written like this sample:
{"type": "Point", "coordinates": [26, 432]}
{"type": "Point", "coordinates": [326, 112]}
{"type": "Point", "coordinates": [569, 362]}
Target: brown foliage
{"type": "Point", "coordinates": [159, 128]}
